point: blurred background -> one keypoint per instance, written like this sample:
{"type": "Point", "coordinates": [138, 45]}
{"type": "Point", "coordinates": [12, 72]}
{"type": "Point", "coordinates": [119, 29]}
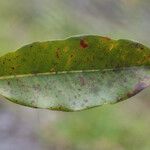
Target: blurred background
{"type": "Point", "coordinates": [123, 126]}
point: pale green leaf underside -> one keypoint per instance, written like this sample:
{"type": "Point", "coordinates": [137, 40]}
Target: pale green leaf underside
{"type": "Point", "coordinates": [77, 90]}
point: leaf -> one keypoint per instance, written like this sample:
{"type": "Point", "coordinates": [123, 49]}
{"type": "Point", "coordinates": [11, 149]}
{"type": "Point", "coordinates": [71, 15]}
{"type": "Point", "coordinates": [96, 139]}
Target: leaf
{"type": "Point", "coordinates": [76, 73]}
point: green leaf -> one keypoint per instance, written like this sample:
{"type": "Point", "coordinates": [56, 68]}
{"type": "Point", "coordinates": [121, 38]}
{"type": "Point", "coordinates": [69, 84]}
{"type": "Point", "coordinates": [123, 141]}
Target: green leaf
{"type": "Point", "coordinates": [76, 73]}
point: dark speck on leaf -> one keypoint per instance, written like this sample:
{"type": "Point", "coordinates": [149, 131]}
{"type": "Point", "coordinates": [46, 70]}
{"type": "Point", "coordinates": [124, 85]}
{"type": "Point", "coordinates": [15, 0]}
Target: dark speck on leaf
{"type": "Point", "coordinates": [139, 87]}
{"type": "Point", "coordinates": [58, 53]}
{"type": "Point", "coordinates": [85, 100]}
{"type": "Point", "coordinates": [83, 43]}
{"type": "Point", "coordinates": [138, 45]}
{"type": "Point", "coordinates": [37, 87]}
{"type": "Point", "coordinates": [82, 81]}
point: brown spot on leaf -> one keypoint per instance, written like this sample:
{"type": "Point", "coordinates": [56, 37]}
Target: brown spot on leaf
{"type": "Point", "coordinates": [83, 43]}
{"type": "Point", "coordinates": [58, 53]}
{"type": "Point", "coordinates": [82, 81]}
{"type": "Point", "coordinates": [139, 87]}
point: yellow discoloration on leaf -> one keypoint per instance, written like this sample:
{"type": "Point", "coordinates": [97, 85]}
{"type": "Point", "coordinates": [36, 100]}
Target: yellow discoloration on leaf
{"type": "Point", "coordinates": [45, 45]}
{"type": "Point", "coordinates": [71, 57]}
{"type": "Point", "coordinates": [111, 47]}
{"type": "Point", "coordinates": [66, 49]}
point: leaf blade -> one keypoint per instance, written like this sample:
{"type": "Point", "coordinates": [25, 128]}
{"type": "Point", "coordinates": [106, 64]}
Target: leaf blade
{"type": "Point", "coordinates": [75, 74]}
{"type": "Point", "coordinates": [76, 90]}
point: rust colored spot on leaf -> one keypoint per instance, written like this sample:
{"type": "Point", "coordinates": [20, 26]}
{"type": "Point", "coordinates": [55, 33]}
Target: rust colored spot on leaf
{"type": "Point", "coordinates": [83, 43]}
